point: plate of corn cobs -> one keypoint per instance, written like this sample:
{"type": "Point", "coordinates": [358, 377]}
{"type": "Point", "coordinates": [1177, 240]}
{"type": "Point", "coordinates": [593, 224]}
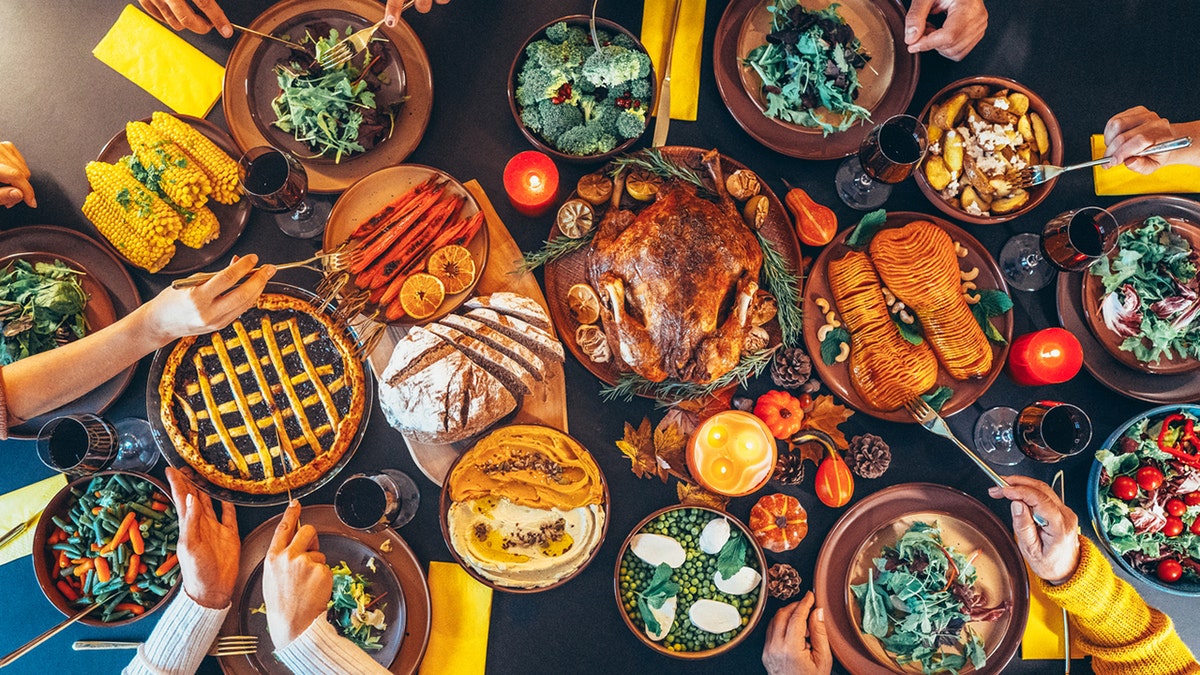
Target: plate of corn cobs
{"type": "Point", "coordinates": [165, 194]}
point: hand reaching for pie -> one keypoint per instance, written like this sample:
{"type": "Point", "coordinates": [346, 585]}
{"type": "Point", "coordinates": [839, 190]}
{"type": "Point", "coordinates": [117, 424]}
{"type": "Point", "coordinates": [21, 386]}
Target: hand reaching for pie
{"type": "Point", "coordinates": [797, 641]}
{"type": "Point", "coordinates": [297, 584]}
{"type": "Point", "coordinates": [208, 548]}
{"type": "Point", "coordinates": [211, 306]}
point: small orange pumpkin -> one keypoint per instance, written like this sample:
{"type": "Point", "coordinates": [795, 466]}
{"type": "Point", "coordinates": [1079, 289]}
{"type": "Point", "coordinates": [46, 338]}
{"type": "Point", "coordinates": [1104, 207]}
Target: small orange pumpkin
{"type": "Point", "coordinates": [778, 522]}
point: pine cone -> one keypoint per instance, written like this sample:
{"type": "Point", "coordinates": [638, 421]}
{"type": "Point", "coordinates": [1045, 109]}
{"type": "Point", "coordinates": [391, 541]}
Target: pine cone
{"type": "Point", "coordinates": [789, 468]}
{"type": "Point", "coordinates": [783, 581]}
{"type": "Point", "coordinates": [790, 367]}
{"type": "Point", "coordinates": [868, 456]}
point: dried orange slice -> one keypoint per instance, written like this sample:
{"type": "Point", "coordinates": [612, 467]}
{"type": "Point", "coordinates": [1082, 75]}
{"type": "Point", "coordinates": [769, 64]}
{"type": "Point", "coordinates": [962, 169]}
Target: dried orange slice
{"type": "Point", "coordinates": [421, 295]}
{"type": "Point", "coordinates": [583, 303]}
{"type": "Point", "coordinates": [454, 265]}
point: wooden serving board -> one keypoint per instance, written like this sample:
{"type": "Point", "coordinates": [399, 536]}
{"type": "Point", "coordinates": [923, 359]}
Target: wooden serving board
{"type": "Point", "coordinates": [546, 404]}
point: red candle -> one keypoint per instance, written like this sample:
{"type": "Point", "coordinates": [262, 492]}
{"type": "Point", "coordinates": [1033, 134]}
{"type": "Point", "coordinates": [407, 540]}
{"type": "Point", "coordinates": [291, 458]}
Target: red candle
{"type": "Point", "coordinates": [531, 181]}
{"type": "Point", "coordinates": [1048, 356]}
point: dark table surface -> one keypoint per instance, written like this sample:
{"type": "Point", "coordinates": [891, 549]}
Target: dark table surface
{"type": "Point", "coordinates": [1088, 61]}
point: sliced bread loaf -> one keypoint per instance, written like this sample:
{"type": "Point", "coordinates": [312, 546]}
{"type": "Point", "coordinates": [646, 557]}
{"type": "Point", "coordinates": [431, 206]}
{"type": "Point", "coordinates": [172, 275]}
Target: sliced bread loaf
{"type": "Point", "coordinates": [524, 308]}
{"type": "Point", "coordinates": [413, 353]}
{"type": "Point", "coordinates": [506, 345]}
{"type": "Point", "coordinates": [541, 342]}
{"type": "Point", "coordinates": [511, 374]}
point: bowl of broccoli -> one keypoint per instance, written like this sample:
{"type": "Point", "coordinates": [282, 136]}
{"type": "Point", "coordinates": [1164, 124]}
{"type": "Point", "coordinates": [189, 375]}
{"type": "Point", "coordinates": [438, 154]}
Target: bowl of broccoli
{"type": "Point", "coordinates": [578, 103]}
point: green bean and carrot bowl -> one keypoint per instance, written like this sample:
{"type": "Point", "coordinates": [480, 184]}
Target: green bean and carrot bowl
{"type": "Point", "coordinates": [108, 539]}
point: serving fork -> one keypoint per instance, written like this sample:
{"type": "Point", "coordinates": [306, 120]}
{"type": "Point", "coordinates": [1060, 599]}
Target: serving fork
{"type": "Point", "coordinates": [226, 645]}
{"type": "Point", "coordinates": [933, 422]}
{"type": "Point", "coordinates": [347, 47]}
{"type": "Point", "coordinates": [337, 260]}
{"type": "Point", "coordinates": [1036, 175]}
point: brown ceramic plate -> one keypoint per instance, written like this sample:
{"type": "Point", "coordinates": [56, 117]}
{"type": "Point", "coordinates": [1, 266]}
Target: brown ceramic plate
{"type": "Point", "coordinates": [1184, 216]}
{"type": "Point", "coordinates": [414, 620]}
{"type": "Point", "coordinates": [572, 269]}
{"type": "Point", "coordinates": [233, 217]}
{"type": "Point", "coordinates": [98, 312]}
{"type": "Point", "coordinates": [250, 85]}
{"type": "Point", "coordinates": [837, 376]}
{"type": "Point", "coordinates": [1036, 194]}
{"type": "Point", "coordinates": [888, 81]}
{"type": "Point", "coordinates": [867, 526]}
{"type": "Point", "coordinates": [366, 197]}
{"type": "Point", "coordinates": [581, 20]}
{"type": "Point", "coordinates": [445, 503]}
{"type": "Point", "coordinates": [60, 505]}
{"type": "Point", "coordinates": [114, 293]}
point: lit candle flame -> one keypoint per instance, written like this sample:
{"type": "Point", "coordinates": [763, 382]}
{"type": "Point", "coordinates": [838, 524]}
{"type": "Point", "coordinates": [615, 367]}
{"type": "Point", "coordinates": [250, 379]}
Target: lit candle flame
{"type": "Point", "coordinates": [535, 181]}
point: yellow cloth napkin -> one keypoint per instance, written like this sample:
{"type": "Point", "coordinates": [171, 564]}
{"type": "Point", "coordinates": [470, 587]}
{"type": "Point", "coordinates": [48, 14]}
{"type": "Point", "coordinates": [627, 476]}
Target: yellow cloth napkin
{"type": "Point", "coordinates": [1120, 180]}
{"type": "Point", "coordinates": [462, 611]}
{"type": "Point", "coordinates": [21, 504]}
{"type": "Point", "coordinates": [689, 38]}
{"type": "Point", "coordinates": [1044, 631]}
{"type": "Point", "coordinates": [159, 61]}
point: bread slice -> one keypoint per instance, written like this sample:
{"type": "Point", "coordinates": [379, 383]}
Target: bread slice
{"type": "Point", "coordinates": [506, 345]}
{"type": "Point", "coordinates": [524, 308]}
{"type": "Point", "coordinates": [511, 374]}
{"type": "Point", "coordinates": [541, 342]}
{"type": "Point", "coordinates": [416, 351]}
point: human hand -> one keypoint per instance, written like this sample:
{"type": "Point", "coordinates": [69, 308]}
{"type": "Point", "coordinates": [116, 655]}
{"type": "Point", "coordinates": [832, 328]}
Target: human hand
{"type": "Point", "coordinates": [175, 313]}
{"type": "Point", "coordinates": [1134, 130]}
{"type": "Point", "coordinates": [966, 22]}
{"type": "Point", "coordinates": [296, 583]}
{"type": "Point", "coordinates": [797, 643]}
{"type": "Point", "coordinates": [180, 14]}
{"type": "Point", "coordinates": [392, 13]}
{"type": "Point", "coordinates": [1052, 551]}
{"type": "Point", "coordinates": [208, 548]}
{"type": "Point", "coordinates": [14, 173]}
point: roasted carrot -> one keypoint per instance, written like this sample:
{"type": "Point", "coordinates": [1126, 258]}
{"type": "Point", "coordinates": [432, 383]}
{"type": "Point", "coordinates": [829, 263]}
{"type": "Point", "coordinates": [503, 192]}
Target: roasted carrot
{"type": "Point", "coordinates": [135, 539]}
{"type": "Point", "coordinates": [137, 609]}
{"type": "Point", "coordinates": [401, 255]}
{"type": "Point", "coordinates": [167, 565]}
{"type": "Point", "coordinates": [68, 592]}
{"type": "Point", "coordinates": [160, 506]}
{"type": "Point", "coordinates": [85, 565]}
{"type": "Point", "coordinates": [103, 572]}
{"type": "Point", "coordinates": [382, 240]}
{"type": "Point", "coordinates": [132, 571]}
{"type": "Point", "coordinates": [142, 568]}
{"type": "Point", "coordinates": [436, 240]}
{"type": "Point", "coordinates": [395, 208]}
{"type": "Point", "coordinates": [63, 561]}
{"type": "Point", "coordinates": [121, 535]}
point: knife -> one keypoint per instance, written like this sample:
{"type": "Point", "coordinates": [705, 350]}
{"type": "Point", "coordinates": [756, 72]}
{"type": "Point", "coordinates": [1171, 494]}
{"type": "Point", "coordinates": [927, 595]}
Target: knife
{"type": "Point", "coordinates": [662, 112]}
{"type": "Point", "coordinates": [17, 531]}
{"type": "Point", "coordinates": [1060, 481]}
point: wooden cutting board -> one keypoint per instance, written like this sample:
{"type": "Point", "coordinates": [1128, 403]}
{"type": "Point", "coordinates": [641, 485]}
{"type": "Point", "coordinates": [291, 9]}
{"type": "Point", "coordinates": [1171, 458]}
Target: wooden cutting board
{"type": "Point", "coordinates": [546, 404]}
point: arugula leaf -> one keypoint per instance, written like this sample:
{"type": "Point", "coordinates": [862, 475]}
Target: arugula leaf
{"type": "Point", "coordinates": [660, 587]}
{"type": "Point", "coordinates": [866, 228]}
{"type": "Point", "coordinates": [938, 397]}
{"type": "Point", "coordinates": [732, 556]}
{"type": "Point", "coordinates": [831, 346]}
{"type": "Point", "coordinates": [875, 620]}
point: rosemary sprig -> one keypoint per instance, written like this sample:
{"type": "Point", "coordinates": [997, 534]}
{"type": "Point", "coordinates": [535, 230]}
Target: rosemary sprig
{"type": "Point", "coordinates": [784, 285]}
{"type": "Point", "coordinates": [652, 160]}
{"type": "Point", "coordinates": [553, 249]}
{"type": "Point", "coordinates": [670, 392]}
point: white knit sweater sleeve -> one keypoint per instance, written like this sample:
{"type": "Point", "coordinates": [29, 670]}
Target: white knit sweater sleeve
{"type": "Point", "coordinates": [321, 651]}
{"type": "Point", "coordinates": [178, 643]}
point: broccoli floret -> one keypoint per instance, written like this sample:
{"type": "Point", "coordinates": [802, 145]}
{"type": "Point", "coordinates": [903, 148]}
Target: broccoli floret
{"type": "Point", "coordinates": [589, 139]}
{"type": "Point", "coordinates": [640, 89]}
{"type": "Point", "coordinates": [623, 40]}
{"type": "Point", "coordinates": [612, 66]}
{"type": "Point", "coordinates": [557, 118]}
{"type": "Point", "coordinates": [531, 118]}
{"type": "Point", "coordinates": [561, 33]}
{"type": "Point", "coordinates": [630, 124]}
{"type": "Point", "coordinates": [538, 84]}
{"type": "Point", "coordinates": [568, 56]}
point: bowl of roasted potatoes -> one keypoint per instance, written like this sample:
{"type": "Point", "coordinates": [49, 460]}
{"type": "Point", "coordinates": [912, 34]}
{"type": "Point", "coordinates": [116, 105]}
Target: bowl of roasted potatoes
{"type": "Point", "coordinates": [982, 132]}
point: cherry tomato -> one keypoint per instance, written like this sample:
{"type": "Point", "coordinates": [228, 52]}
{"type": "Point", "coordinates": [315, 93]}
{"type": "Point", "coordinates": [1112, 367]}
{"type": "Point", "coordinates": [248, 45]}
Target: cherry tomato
{"type": "Point", "coordinates": [1175, 507]}
{"type": "Point", "coordinates": [1169, 570]}
{"type": "Point", "coordinates": [1149, 478]}
{"type": "Point", "coordinates": [1174, 526]}
{"type": "Point", "coordinates": [1124, 487]}
{"type": "Point", "coordinates": [1195, 529]}
{"type": "Point", "coordinates": [1191, 498]}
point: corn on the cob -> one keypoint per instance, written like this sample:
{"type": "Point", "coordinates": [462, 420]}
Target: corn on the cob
{"type": "Point", "coordinates": [169, 167]}
{"type": "Point", "coordinates": [201, 229]}
{"type": "Point", "coordinates": [222, 170]}
{"type": "Point", "coordinates": [151, 253]}
{"type": "Point", "coordinates": [145, 211]}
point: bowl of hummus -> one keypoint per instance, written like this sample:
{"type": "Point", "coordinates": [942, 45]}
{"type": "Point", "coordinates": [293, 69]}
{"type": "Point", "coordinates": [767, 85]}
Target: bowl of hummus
{"type": "Point", "coordinates": [525, 509]}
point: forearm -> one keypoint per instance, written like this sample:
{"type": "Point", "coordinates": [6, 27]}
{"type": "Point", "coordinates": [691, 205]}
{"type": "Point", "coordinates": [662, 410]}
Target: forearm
{"type": "Point", "coordinates": [45, 381]}
{"type": "Point", "coordinates": [1189, 155]}
{"type": "Point", "coordinates": [321, 651]}
{"type": "Point", "coordinates": [179, 641]}
{"type": "Point", "coordinates": [1110, 621]}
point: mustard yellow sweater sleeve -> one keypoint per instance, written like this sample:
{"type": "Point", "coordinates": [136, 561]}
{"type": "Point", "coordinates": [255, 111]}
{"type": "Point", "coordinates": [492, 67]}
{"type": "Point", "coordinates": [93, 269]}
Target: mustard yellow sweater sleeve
{"type": "Point", "coordinates": [1111, 622]}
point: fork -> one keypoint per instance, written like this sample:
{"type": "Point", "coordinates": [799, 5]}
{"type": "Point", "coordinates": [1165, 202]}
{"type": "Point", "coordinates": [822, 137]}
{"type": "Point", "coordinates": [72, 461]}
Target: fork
{"type": "Point", "coordinates": [234, 645]}
{"type": "Point", "coordinates": [933, 422]}
{"type": "Point", "coordinates": [1036, 175]}
{"type": "Point", "coordinates": [347, 47]}
{"type": "Point", "coordinates": [334, 261]}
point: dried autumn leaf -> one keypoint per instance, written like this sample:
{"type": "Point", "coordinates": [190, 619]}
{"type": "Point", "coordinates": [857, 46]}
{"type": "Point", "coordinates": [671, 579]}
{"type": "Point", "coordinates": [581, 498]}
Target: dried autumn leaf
{"type": "Point", "coordinates": [707, 406]}
{"type": "Point", "coordinates": [670, 441]}
{"type": "Point", "coordinates": [826, 416]}
{"type": "Point", "coordinates": [694, 495]}
{"type": "Point", "coordinates": [811, 451]}
{"type": "Point", "coordinates": [639, 448]}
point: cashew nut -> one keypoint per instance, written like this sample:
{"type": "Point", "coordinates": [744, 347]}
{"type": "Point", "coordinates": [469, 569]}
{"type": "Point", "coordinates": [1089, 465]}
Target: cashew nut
{"type": "Point", "coordinates": [830, 317]}
{"type": "Point", "coordinates": [823, 332]}
{"type": "Point", "coordinates": [906, 317]}
{"type": "Point", "coordinates": [836, 324]}
{"type": "Point", "coordinates": [970, 275]}
{"type": "Point", "coordinates": [971, 299]}
{"type": "Point", "coordinates": [960, 250]}
{"type": "Point", "coordinates": [823, 305]}
{"type": "Point", "coordinates": [843, 353]}
{"type": "Point", "coordinates": [887, 295]}
{"type": "Point", "coordinates": [968, 286]}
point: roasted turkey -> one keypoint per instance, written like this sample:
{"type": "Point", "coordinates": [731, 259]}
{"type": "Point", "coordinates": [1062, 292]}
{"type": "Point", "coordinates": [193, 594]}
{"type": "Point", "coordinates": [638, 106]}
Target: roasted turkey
{"type": "Point", "coordinates": [676, 281]}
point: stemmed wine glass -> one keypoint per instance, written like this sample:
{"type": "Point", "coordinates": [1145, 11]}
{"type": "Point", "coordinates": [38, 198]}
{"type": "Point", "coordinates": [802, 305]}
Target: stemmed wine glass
{"type": "Point", "coordinates": [376, 501]}
{"type": "Point", "coordinates": [80, 445]}
{"type": "Point", "coordinates": [275, 181]}
{"type": "Point", "coordinates": [1047, 431]}
{"type": "Point", "coordinates": [887, 156]}
{"type": "Point", "coordinates": [1071, 242]}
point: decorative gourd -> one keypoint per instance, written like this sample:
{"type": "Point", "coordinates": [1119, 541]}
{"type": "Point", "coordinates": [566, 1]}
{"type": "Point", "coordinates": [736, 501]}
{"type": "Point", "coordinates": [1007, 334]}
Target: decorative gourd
{"type": "Point", "coordinates": [781, 412]}
{"type": "Point", "coordinates": [779, 523]}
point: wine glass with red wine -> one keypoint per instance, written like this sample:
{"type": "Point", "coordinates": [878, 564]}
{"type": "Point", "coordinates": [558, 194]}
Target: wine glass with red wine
{"type": "Point", "coordinates": [1070, 242]}
{"type": "Point", "coordinates": [376, 501]}
{"type": "Point", "coordinates": [275, 181]}
{"type": "Point", "coordinates": [80, 445]}
{"type": "Point", "coordinates": [887, 156]}
{"type": "Point", "coordinates": [1050, 431]}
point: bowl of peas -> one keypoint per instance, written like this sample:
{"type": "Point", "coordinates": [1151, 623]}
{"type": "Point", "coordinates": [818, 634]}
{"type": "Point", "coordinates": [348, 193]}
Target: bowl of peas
{"type": "Point", "coordinates": [691, 581]}
{"type": "Point", "coordinates": [108, 539]}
